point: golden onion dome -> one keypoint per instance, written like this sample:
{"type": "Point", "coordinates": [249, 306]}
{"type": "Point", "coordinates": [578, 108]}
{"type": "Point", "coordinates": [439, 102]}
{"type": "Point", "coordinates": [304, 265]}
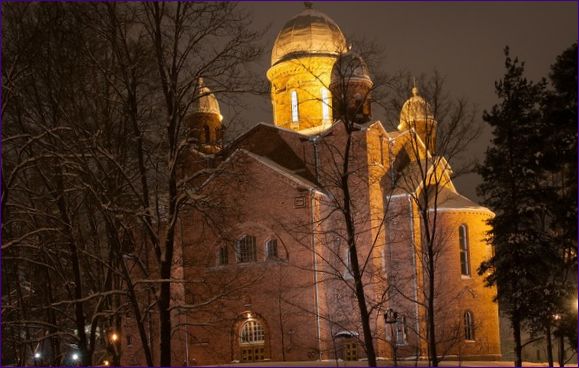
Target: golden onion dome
{"type": "Point", "coordinates": [414, 110]}
{"type": "Point", "coordinates": [309, 32]}
{"type": "Point", "coordinates": [205, 101]}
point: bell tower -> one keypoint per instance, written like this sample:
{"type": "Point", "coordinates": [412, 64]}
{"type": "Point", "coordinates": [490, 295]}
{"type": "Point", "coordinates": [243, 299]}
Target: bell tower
{"type": "Point", "coordinates": [417, 114]}
{"type": "Point", "coordinates": [204, 120]}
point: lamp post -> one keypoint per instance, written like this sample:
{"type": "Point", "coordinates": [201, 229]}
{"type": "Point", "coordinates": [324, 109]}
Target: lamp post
{"type": "Point", "coordinates": [114, 341]}
{"type": "Point", "coordinates": [390, 318]}
{"type": "Point", "coordinates": [75, 358]}
{"type": "Point", "coordinates": [37, 357]}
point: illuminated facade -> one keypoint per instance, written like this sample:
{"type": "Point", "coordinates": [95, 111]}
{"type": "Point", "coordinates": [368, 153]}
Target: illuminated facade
{"type": "Point", "coordinates": [265, 267]}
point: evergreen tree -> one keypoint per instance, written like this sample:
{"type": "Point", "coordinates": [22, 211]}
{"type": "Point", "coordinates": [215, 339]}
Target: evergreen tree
{"type": "Point", "coordinates": [560, 116]}
{"type": "Point", "coordinates": [513, 188]}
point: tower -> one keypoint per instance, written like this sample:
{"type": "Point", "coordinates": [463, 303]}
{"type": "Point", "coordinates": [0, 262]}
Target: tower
{"type": "Point", "coordinates": [302, 59]}
{"type": "Point", "coordinates": [417, 114]}
{"type": "Point", "coordinates": [204, 120]}
{"type": "Point", "coordinates": [351, 85]}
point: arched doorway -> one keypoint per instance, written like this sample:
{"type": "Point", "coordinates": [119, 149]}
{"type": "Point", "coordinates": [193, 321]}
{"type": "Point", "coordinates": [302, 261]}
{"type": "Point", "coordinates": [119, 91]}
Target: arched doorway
{"type": "Point", "coordinates": [252, 341]}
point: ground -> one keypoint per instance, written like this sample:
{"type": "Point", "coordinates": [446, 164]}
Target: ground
{"type": "Point", "coordinates": [333, 363]}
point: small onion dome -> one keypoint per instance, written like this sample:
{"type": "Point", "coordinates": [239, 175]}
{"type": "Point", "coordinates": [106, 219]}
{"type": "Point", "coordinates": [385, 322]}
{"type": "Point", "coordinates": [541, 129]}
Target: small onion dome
{"type": "Point", "coordinates": [309, 32]}
{"type": "Point", "coordinates": [350, 67]}
{"type": "Point", "coordinates": [205, 101]}
{"type": "Point", "coordinates": [415, 109]}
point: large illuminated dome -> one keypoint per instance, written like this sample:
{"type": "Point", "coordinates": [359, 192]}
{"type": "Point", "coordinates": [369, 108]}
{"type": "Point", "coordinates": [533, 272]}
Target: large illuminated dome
{"type": "Point", "coordinates": [309, 32]}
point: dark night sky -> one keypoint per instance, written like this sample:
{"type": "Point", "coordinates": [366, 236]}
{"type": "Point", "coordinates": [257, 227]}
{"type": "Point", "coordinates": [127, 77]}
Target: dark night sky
{"type": "Point", "coordinates": [463, 41]}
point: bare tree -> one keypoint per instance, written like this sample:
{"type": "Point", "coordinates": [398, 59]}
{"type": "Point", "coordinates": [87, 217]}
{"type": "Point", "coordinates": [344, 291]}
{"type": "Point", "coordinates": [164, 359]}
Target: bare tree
{"type": "Point", "coordinates": [421, 170]}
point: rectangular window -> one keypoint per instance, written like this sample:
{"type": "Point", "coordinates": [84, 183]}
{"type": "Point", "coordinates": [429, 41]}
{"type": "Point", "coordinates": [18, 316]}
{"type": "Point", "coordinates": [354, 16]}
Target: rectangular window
{"type": "Point", "coordinates": [246, 249]}
{"type": "Point", "coordinates": [348, 272]}
{"type": "Point", "coordinates": [295, 115]}
{"type": "Point", "coordinates": [325, 104]}
{"type": "Point", "coordinates": [381, 149]}
{"type": "Point", "coordinates": [271, 249]}
{"type": "Point", "coordinates": [223, 256]}
{"type": "Point", "coordinates": [401, 330]}
{"type": "Point", "coordinates": [464, 251]}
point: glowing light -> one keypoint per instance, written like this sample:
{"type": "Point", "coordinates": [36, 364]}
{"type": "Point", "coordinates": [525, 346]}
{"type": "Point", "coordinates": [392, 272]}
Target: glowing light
{"type": "Point", "coordinates": [556, 317]}
{"type": "Point", "coordinates": [249, 315]}
{"type": "Point", "coordinates": [37, 355]}
{"type": "Point", "coordinates": [106, 362]}
{"type": "Point", "coordinates": [114, 337]}
{"type": "Point", "coordinates": [75, 357]}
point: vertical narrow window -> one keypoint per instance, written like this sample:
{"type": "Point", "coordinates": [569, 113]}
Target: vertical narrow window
{"type": "Point", "coordinates": [464, 251]}
{"type": "Point", "coordinates": [295, 114]}
{"type": "Point", "coordinates": [381, 138]}
{"type": "Point", "coordinates": [348, 272]}
{"type": "Point", "coordinates": [271, 249]}
{"type": "Point", "coordinates": [325, 104]}
{"type": "Point", "coordinates": [207, 134]}
{"type": "Point", "coordinates": [468, 326]}
{"type": "Point", "coordinates": [401, 330]}
{"type": "Point", "coordinates": [223, 256]}
{"type": "Point", "coordinates": [246, 250]}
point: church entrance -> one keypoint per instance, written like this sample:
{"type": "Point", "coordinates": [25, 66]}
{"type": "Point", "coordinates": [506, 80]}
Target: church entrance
{"type": "Point", "coordinates": [252, 341]}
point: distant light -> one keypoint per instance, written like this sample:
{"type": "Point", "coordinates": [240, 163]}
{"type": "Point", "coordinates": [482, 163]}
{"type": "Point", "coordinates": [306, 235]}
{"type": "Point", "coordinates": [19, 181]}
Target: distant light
{"type": "Point", "coordinates": [106, 362]}
{"type": "Point", "coordinates": [37, 355]}
{"type": "Point", "coordinates": [557, 317]}
{"type": "Point", "coordinates": [114, 336]}
{"type": "Point", "coordinates": [75, 356]}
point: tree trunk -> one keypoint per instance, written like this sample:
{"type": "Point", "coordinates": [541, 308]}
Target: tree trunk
{"type": "Point", "coordinates": [359, 285]}
{"type": "Point", "coordinates": [518, 346]}
{"type": "Point", "coordinates": [549, 344]}
{"type": "Point", "coordinates": [561, 350]}
{"type": "Point", "coordinates": [165, 316]}
{"type": "Point", "coordinates": [433, 356]}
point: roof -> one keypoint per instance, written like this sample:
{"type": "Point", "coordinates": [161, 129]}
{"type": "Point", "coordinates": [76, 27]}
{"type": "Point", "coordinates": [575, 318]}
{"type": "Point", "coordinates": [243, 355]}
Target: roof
{"type": "Point", "coordinates": [281, 146]}
{"type": "Point", "coordinates": [309, 32]}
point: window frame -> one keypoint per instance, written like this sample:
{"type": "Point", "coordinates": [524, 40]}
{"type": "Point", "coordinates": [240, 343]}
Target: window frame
{"type": "Point", "coordinates": [253, 333]}
{"type": "Point", "coordinates": [295, 113]}
{"type": "Point", "coordinates": [223, 256]}
{"type": "Point", "coordinates": [326, 98]}
{"type": "Point", "coordinates": [268, 253]}
{"type": "Point", "coordinates": [464, 251]}
{"type": "Point", "coordinates": [251, 252]}
{"type": "Point", "coordinates": [468, 322]}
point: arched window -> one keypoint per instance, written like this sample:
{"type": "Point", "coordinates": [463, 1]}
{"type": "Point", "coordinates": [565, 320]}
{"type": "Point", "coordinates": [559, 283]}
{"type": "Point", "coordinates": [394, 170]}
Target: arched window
{"type": "Point", "coordinates": [252, 341]}
{"type": "Point", "coordinates": [295, 114]}
{"type": "Point", "coordinates": [464, 251]}
{"type": "Point", "coordinates": [252, 333]}
{"type": "Point", "coordinates": [246, 250]}
{"type": "Point", "coordinates": [468, 326]}
{"type": "Point", "coordinates": [325, 104]}
{"type": "Point", "coordinates": [271, 249]}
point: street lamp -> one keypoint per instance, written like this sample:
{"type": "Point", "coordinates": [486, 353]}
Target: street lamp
{"type": "Point", "coordinates": [390, 318]}
{"type": "Point", "coordinates": [114, 337]}
{"type": "Point", "coordinates": [37, 357]}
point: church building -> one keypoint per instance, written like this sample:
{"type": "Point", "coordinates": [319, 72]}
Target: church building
{"type": "Point", "coordinates": [265, 254]}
